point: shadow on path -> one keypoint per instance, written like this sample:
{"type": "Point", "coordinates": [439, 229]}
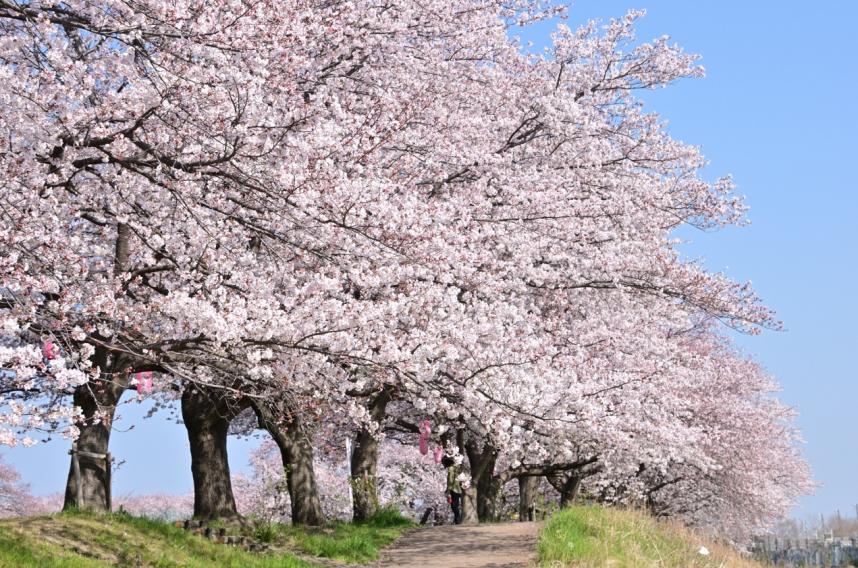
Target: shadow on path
{"type": "Point", "coordinates": [504, 545]}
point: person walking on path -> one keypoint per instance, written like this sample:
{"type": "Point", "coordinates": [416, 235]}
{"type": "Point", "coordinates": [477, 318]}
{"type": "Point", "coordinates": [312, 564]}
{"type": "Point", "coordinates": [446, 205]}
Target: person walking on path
{"type": "Point", "coordinates": [454, 488]}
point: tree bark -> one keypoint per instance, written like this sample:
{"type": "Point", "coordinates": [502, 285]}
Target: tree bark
{"type": "Point", "coordinates": [527, 487]}
{"type": "Point", "coordinates": [96, 397]}
{"type": "Point", "coordinates": [482, 461]}
{"type": "Point", "coordinates": [296, 453]}
{"type": "Point", "coordinates": [364, 461]}
{"type": "Point", "coordinates": [488, 493]}
{"type": "Point", "coordinates": [567, 484]}
{"type": "Point", "coordinates": [469, 494]}
{"type": "Point", "coordinates": [207, 415]}
{"type": "Point", "coordinates": [469, 506]}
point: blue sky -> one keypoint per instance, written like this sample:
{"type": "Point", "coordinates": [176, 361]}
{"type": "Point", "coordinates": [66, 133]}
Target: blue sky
{"type": "Point", "coordinates": [777, 111]}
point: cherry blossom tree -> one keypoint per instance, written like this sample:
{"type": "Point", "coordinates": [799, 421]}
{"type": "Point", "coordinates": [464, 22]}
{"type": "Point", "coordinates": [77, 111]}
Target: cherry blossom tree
{"type": "Point", "coordinates": [119, 105]}
{"type": "Point", "coordinates": [15, 496]}
{"type": "Point", "coordinates": [753, 473]}
{"type": "Point", "coordinates": [388, 211]}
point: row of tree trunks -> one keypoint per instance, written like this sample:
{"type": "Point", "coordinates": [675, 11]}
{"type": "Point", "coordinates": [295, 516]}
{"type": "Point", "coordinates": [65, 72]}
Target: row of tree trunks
{"type": "Point", "coordinates": [489, 487]}
{"type": "Point", "coordinates": [207, 414]}
{"type": "Point", "coordinates": [486, 485]}
{"type": "Point", "coordinates": [364, 460]}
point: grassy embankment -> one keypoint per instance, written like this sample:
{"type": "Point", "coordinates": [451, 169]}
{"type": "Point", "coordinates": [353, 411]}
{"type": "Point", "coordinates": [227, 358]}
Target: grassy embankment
{"type": "Point", "coordinates": [597, 537]}
{"type": "Point", "coordinates": [82, 540]}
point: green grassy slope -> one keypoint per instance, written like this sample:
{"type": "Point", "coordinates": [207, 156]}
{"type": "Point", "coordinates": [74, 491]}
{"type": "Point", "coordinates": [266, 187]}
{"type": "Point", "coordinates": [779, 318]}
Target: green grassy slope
{"type": "Point", "coordinates": [348, 542]}
{"type": "Point", "coordinates": [80, 540]}
{"type": "Point", "coordinates": [597, 537]}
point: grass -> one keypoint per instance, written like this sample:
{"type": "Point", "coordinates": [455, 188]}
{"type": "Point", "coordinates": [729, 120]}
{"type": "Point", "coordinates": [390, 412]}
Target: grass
{"type": "Point", "coordinates": [597, 537]}
{"type": "Point", "coordinates": [86, 540]}
{"type": "Point", "coordinates": [347, 542]}
{"type": "Point", "coordinates": [15, 551]}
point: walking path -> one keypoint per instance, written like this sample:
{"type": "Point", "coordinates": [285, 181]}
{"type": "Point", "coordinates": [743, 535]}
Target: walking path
{"type": "Point", "coordinates": [504, 545]}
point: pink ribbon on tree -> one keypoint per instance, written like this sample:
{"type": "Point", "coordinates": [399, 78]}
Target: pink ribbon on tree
{"type": "Point", "coordinates": [425, 432]}
{"type": "Point", "coordinates": [144, 382]}
{"type": "Point", "coordinates": [50, 350]}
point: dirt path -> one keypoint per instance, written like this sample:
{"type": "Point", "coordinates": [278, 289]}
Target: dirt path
{"type": "Point", "coordinates": [487, 546]}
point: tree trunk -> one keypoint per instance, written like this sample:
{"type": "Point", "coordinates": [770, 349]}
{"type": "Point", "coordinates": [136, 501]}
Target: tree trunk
{"type": "Point", "coordinates": [488, 493]}
{"type": "Point", "coordinates": [483, 480]}
{"type": "Point", "coordinates": [296, 452]}
{"type": "Point", "coordinates": [364, 461]}
{"type": "Point", "coordinates": [207, 416]}
{"type": "Point", "coordinates": [301, 478]}
{"type": "Point", "coordinates": [88, 484]}
{"type": "Point", "coordinates": [96, 397]}
{"type": "Point", "coordinates": [567, 496]}
{"type": "Point", "coordinates": [527, 487]}
{"type": "Point", "coordinates": [567, 484]}
{"type": "Point", "coordinates": [364, 479]}
{"type": "Point", "coordinates": [469, 506]}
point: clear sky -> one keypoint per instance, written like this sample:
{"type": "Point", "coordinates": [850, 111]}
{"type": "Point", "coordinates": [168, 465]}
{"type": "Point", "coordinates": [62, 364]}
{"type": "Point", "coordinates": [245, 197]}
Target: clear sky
{"type": "Point", "coordinates": [777, 110]}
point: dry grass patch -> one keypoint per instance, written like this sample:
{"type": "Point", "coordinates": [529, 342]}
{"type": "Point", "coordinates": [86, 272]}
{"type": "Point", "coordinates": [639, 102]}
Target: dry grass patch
{"type": "Point", "coordinates": [603, 537]}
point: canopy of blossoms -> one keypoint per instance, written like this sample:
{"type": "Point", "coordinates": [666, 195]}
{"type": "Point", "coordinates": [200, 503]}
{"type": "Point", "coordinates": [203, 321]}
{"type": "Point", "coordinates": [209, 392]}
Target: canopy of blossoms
{"type": "Point", "coordinates": [320, 201]}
